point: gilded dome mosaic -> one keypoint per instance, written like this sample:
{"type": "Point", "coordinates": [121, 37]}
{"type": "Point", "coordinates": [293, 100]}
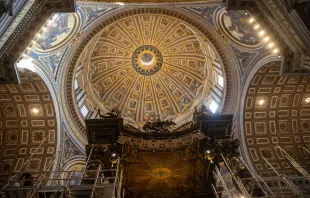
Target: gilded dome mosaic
{"type": "Point", "coordinates": [149, 66]}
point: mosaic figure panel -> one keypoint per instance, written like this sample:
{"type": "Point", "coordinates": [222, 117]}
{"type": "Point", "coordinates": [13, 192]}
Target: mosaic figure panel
{"type": "Point", "coordinates": [236, 25]}
{"type": "Point", "coordinates": [53, 61]}
{"type": "Point", "coordinates": [75, 176]}
{"type": "Point", "coordinates": [58, 28]}
{"type": "Point", "coordinates": [92, 13]}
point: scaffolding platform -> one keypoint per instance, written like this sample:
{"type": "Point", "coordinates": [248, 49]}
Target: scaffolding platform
{"type": "Point", "coordinates": [62, 184]}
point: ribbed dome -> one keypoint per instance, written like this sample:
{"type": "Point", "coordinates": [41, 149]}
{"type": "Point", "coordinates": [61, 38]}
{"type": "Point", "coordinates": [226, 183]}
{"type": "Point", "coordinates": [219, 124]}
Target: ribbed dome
{"type": "Point", "coordinates": [149, 66]}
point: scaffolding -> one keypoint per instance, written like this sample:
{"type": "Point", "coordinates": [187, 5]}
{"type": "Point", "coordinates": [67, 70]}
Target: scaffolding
{"type": "Point", "coordinates": [299, 168]}
{"type": "Point", "coordinates": [246, 192]}
{"type": "Point", "coordinates": [282, 177]}
{"type": "Point", "coordinates": [225, 191]}
{"type": "Point", "coordinates": [285, 185]}
{"type": "Point", "coordinates": [91, 183]}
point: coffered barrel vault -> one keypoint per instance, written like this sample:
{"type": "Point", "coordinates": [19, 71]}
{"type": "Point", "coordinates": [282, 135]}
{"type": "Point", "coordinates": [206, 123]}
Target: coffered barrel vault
{"type": "Point", "coordinates": [276, 112]}
{"type": "Point", "coordinates": [27, 120]}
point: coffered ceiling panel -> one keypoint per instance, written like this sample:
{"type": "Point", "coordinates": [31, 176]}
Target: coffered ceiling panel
{"type": "Point", "coordinates": [27, 120]}
{"type": "Point", "coordinates": [277, 112]}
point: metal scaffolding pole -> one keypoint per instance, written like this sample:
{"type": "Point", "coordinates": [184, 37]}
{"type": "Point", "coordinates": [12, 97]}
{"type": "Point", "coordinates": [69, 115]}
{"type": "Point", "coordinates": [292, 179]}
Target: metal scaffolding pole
{"type": "Point", "coordinates": [22, 166]}
{"type": "Point", "coordinates": [74, 188]}
{"type": "Point", "coordinates": [35, 188]}
{"type": "Point", "coordinates": [116, 180]}
{"type": "Point", "coordinates": [299, 168]}
{"type": "Point", "coordinates": [95, 184]}
{"type": "Point", "coordinates": [119, 190]}
{"type": "Point", "coordinates": [259, 180]}
{"type": "Point", "coordinates": [237, 180]}
{"type": "Point", "coordinates": [283, 177]}
{"type": "Point", "coordinates": [219, 175]}
{"type": "Point", "coordinates": [91, 151]}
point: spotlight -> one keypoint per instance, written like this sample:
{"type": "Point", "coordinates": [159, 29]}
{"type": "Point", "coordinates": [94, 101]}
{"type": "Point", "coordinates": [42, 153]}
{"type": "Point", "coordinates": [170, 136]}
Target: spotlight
{"type": "Point", "coordinates": [307, 100]}
{"type": "Point", "coordinates": [261, 102]}
{"type": "Point", "coordinates": [113, 154]}
{"type": "Point", "coordinates": [261, 33]}
{"type": "Point", "coordinates": [266, 39]}
{"type": "Point", "coordinates": [246, 13]}
{"type": "Point", "coordinates": [208, 151]}
{"type": "Point", "coordinates": [35, 110]}
{"type": "Point", "coordinates": [256, 27]}
{"type": "Point", "coordinates": [270, 45]}
{"type": "Point", "coordinates": [251, 20]}
{"type": "Point", "coordinates": [275, 51]}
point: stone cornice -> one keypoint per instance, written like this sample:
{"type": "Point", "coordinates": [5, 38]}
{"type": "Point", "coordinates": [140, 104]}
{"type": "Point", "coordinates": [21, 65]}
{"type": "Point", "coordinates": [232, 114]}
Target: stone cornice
{"type": "Point", "coordinates": [25, 31]}
{"type": "Point", "coordinates": [270, 14]}
{"type": "Point", "coordinates": [144, 1]}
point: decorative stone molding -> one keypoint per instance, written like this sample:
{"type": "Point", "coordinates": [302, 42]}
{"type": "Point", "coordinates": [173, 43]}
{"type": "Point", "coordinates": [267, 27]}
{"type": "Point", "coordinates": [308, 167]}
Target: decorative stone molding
{"type": "Point", "coordinates": [26, 30]}
{"type": "Point", "coordinates": [143, 1]}
{"type": "Point", "coordinates": [293, 39]}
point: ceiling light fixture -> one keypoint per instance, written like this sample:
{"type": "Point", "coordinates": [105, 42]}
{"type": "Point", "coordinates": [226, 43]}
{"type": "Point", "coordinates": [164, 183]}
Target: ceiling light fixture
{"type": "Point", "coordinates": [270, 45]}
{"type": "Point", "coordinates": [275, 51]}
{"type": "Point", "coordinates": [251, 20]}
{"type": "Point", "coordinates": [261, 33]}
{"type": "Point", "coordinates": [256, 27]}
{"type": "Point", "coordinates": [266, 39]}
{"type": "Point", "coordinates": [261, 102]}
{"type": "Point", "coordinates": [35, 110]}
{"type": "Point", "coordinates": [307, 100]}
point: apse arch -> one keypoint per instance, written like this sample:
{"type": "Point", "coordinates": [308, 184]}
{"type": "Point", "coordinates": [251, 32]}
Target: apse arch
{"type": "Point", "coordinates": [48, 79]}
{"type": "Point", "coordinates": [28, 119]}
{"type": "Point", "coordinates": [274, 112]}
{"type": "Point", "coordinates": [244, 152]}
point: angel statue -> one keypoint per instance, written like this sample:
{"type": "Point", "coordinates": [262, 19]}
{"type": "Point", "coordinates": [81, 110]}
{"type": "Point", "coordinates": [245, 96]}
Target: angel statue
{"type": "Point", "coordinates": [114, 113]}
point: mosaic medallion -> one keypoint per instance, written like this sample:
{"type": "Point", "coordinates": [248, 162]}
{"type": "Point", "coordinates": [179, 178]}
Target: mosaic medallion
{"type": "Point", "coordinates": [147, 60]}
